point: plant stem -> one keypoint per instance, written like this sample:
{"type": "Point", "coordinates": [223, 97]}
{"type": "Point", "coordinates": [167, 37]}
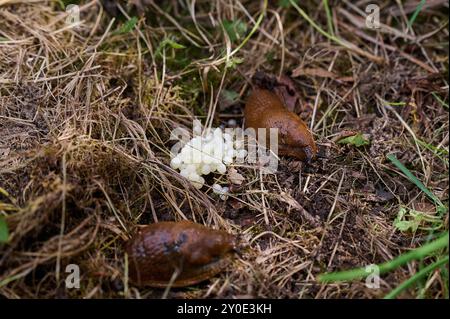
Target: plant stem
{"type": "Point", "coordinates": [415, 254]}
{"type": "Point", "coordinates": [414, 179]}
{"type": "Point", "coordinates": [329, 17]}
{"type": "Point", "coordinates": [422, 273]}
{"type": "Point", "coordinates": [249, 35]}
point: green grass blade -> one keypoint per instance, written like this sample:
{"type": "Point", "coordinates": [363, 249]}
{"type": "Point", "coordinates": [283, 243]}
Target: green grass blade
{"type": "Point", "coordinates": [314, 24]}
{"type": "Point", "coordinates": [413, 279]}
{"type": "Point", "coordinates": [442, 102]}
{"type": "Point", "coordinates": [416, 13]}
{"type": "Point", "coordinates": [332, 37]}
{"type": "Point", "coordinates": [7, 280]}
{"type": "Point", "coordinates": [440, 153]}
{"type": "Point", "coordinates": [444, 273]}
{"type": "Point", "coordinates": [418, 253]}
{"type": "Point", "coordinates": [414, 179]}
{"type": "Point", "coordinates": [4, 233]}
{"type": "Point", "coordinates": [253, 30]}
{"type": "Point", "coordinates": [127, 27]}
{"type": "Point", "coordinates": [249, 35]}
{"type": "Point", "coordinates": [329, 17]}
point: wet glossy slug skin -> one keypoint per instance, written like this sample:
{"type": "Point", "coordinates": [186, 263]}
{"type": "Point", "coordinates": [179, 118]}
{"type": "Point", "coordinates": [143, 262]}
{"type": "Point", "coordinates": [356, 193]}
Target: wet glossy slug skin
{"type": "Point", "coordinates": [159, 249]}
{"type": "Point", "coordinates": [265, 110]}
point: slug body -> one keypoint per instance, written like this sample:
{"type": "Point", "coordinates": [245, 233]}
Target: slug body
{"type": "Point", "coordinates": [162, 250]}
{"type": "Point", "coordinates": [264, 109]}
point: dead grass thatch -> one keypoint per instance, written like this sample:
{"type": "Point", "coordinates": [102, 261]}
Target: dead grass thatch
{"type": "Point", "coordinates": [86, 112]}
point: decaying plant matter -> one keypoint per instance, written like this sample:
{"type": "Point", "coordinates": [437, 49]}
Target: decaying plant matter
{"type": "Point", "coordinates": [87, 108]}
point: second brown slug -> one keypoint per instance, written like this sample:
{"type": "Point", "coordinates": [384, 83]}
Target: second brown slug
{"type": "Point", "coordinates": [191, 251]}
{"type": "Point", "coordinates": [264, 109]}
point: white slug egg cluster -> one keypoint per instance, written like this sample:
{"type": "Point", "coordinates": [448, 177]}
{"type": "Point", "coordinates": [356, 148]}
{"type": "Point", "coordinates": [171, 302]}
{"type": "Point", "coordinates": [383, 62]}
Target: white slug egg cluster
{"type": "Point", "coordinates": [209, 153]}
{"type": "Point", "coordinates": [221, 191]}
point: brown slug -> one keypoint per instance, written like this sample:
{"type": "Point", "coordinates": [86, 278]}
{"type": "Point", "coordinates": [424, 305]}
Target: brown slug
{"type": "Point", "coordinates": [264, 109]}
{"type": "Point", "coordinates": [195, 251]}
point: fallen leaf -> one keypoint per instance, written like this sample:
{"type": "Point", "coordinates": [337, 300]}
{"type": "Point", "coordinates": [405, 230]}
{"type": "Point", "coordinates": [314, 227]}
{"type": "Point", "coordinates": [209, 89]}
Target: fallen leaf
{"type": "Point", "coordinates": [287, 92]}
{"type": "Point", "coordinates": [343, 134]}
{"type": "Point", "coordinates": [319, 72]}
{"type": "Point", "coordinates": [356, 140]}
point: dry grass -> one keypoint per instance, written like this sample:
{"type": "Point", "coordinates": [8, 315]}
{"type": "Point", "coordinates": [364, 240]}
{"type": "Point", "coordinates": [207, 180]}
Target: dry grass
{"type": "Point", "coordinates": [85, 119]}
